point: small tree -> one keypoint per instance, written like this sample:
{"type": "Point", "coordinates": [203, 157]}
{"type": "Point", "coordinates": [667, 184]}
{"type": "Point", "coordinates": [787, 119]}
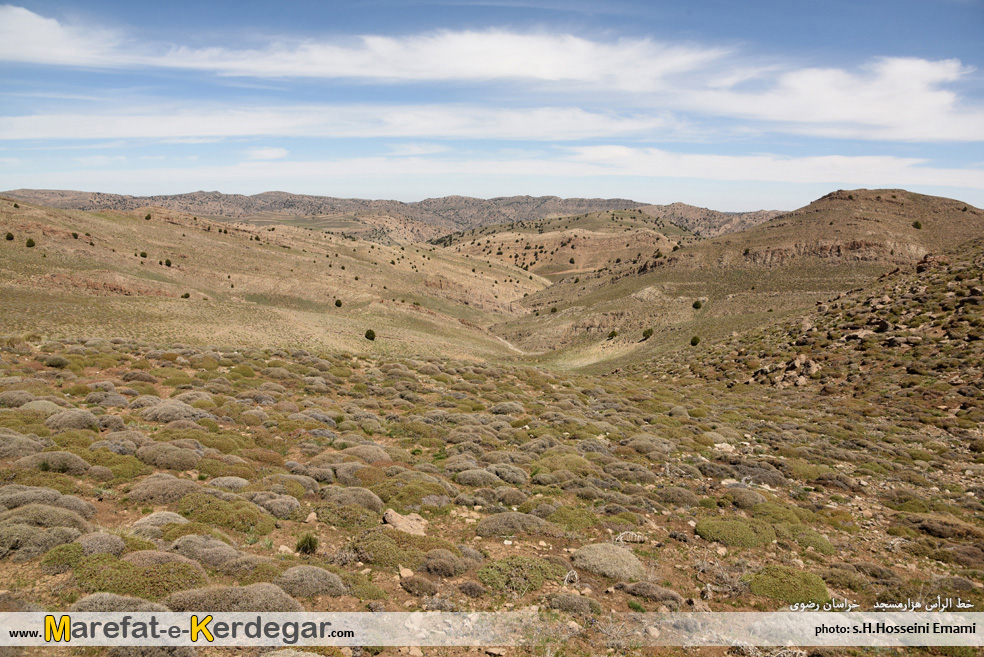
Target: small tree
{"type": "Point", "coordinates": [648, 333]}
{"type": "Point", "coordinates": [30, 242]}
{"type": "Point", "coordinates": [147, 218]}
{"type": "Point", "coordinates": [917, 225]}
{"type": "Point", "coordinates": [167, 263]}
{"type": "Point", "coordinates": [694, 341]}
{"type": "Point", "coordinates": [338, 303]}
{"type": "Point", "coordinates": [370, 335]}
{"type": "Point", "coordinates": [697, 305]}
{"type": "Point", "coordinates": [186, 295]}
{"type": "Point", "coordinates": [613, 334]}
{"type": "Point", "coordinates": [10, 237]}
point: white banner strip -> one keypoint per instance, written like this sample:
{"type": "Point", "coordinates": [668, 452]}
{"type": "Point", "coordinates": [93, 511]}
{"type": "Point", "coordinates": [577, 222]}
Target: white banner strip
{"type": "Point", "coordinates": [491, 629]}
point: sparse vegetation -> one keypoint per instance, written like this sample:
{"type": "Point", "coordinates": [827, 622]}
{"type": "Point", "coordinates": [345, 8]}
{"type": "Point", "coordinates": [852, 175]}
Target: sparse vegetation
{"type": "Point", "coordinates": [795, 456]}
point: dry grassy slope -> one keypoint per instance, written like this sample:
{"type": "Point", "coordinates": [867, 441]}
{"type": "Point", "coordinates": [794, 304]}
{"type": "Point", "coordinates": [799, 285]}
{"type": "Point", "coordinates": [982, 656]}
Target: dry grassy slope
{"type": "Point", "coordinates": [594, 241]}
{"type": "Point", "coordinates": [280, 289]}
{"type": "Point", "coordinates": [778, 269]}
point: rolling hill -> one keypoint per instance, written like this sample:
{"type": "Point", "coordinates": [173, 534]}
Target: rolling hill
{"type": "Point", "coordinates": [376, 220]}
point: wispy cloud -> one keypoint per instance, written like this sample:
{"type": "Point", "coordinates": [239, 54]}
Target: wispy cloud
{"type": "Point", "coordinates": [587, 162]}
{"type": "Point", "coordinates": [416, 149]}
{"type": "Point", "coordinates": [406, 121]}
{"type": "Point", "coordinates": [891, 98]}
{"type": "Point", "coordinates": [630, 64]}
{"type": "Point", "coordinates": [266, 153]}
{"type": "Point", "coordinates": [871, 170]}
{"type": "Point", "coordinates": [100, 160]}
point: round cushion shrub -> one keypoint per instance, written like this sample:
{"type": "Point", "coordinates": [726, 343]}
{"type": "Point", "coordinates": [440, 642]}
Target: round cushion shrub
{"type": "Point", "coordinates": [519, 573]}
{"type": "Point", "coordinates": [512, 522]}
{"type": "Point", "coordinates": [255, 597]}
{"type": "Point", "coordinates": [736, 533]}
{"type": "Point", "coordinates": [789, 585]}
{"type": "Point", "coordinates": [310, 581]}
{"type": "Point", "coordinates": [608, 560]}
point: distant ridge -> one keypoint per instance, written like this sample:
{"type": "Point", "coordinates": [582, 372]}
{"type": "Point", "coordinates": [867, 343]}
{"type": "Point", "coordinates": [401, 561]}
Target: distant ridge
{"type": "Point", "coordinates": [438, 215]}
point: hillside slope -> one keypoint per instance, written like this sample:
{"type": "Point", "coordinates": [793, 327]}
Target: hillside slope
{"type": "Point", "coordinates": [571, 245]}
{"type": "Point", "coordinates": [188, 279]}
{"type": "Point", "coordinates": [711, 288]}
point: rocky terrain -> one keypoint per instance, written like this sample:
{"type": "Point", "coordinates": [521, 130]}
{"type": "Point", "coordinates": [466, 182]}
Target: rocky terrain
{"type": "Point", "coordinates": [731, 459]}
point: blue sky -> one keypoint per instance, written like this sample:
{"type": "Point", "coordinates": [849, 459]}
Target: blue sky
{"type": "Point", "coordinates": [729, 105]}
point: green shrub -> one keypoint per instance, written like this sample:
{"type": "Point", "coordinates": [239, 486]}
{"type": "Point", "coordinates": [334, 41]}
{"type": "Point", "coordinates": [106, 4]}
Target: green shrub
{"type": "Point", "coordinates": [239, 515]}
{"type": "Point", "coordinates": [10, 237]}
{"type": "Point", "coordinates": [406, 495]}
{"type": "Point", "coordinates": [736, 533]}
{"type": "Point", "coordinates": [389, 548]}
{"type": "Point", "coordinates": [573, 518]}
{"type": "Point", "coordinates": [370, 335]}
{"type": "Point", "coordinates": [648, 333]}
{"type": "Point", "coordinates": [789, 585]}
{"type": "Point", "coordinates": [519, 573]}
{"type": "Point", "coordinates": [917, 225]}
{"type": "Point", "coordinates": [62, 558]}
{"type": "Point", "coordinates": [243, 370]}
{"type": "Point", "coordinates": [338, 303]}
{"type": "Point", "coordinates": [694, 341]}
{"type": "Point", "coordinates": [174, 530]}
{"type": "Point", "coordinates": [773, 513]}
{"type": "Point", "coordinates": [104, 572]}
{"type": "Point", "coordinates": [347, 516]}
{"type": "Point", "coordinates": [697, 305]}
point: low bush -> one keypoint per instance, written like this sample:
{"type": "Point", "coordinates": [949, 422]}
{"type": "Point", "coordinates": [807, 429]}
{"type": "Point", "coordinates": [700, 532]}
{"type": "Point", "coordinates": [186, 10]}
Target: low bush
{"type": "Point", "coordinates": [239, 515]}
{"type": "Point", "coordinates": [608, 560]}
{"type": "Point", "coordinates": [255, 597]}
{"type": "Point", "coordinates": [736, 533]}
{"type": "Point", "coordinates": [310, 581]}
{"type": "Point", "coordinates": [519, 573]}
{"type": "Point", "coordinates": [789, 585]}
{"type": "Point", "coordinates": [104, 572]}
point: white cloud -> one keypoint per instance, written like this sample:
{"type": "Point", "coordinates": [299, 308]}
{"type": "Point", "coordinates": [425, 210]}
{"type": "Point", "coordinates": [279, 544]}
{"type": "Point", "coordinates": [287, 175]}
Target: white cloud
{"type": "Point", "coordinates": [266, 153]}
{"type": "Point", "coordinates": [890, 98]}
{"type": "Point", "coordinates": [544, 123]}
{"type": "Point", "coordinates": [100, 160]}
{"type": "Point", "coordinates": [587, 163]}
{"type": "Point", "coordinates": [632, 64]}
{"type": "Point", "coordinates": [28, 37]}
{"type": "Point", "coordinates": [855, 170]}
{"type": "Point", "coordinates": [629, 64]}
{"type": "Point", "coordinates": [417, 149]}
